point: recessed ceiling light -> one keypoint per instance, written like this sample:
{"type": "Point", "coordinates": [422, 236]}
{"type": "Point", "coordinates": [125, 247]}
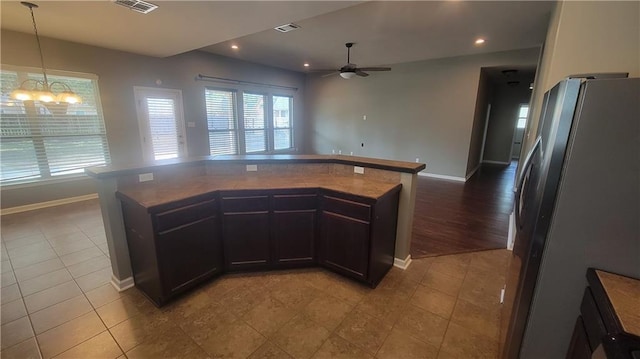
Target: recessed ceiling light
{"type": "Point", "coordinates": [235, 47]}
{"type": "Point", "coordinates": [479, 41]}
{"type": "Point", "coordinates": [306, 64]}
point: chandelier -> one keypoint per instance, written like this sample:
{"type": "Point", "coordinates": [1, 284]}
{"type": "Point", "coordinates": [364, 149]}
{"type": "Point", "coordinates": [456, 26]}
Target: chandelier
{"type": "Point", "coordinates": [43, 91]}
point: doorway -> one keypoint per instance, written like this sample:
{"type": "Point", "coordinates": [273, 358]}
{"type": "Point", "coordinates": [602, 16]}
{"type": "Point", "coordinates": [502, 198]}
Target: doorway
{"type": "Point", "coordinates": [518, 133]}
{"type": "Point", "coordinates": [161, 123]}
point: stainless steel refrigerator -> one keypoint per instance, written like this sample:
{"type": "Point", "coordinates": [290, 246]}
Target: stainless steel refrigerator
{"type": "Point", "coordinates": [577, 206]}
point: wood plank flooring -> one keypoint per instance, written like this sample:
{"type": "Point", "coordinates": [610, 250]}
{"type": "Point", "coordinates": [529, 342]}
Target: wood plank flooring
{"type": "Point", "coordinates": [455, 217]}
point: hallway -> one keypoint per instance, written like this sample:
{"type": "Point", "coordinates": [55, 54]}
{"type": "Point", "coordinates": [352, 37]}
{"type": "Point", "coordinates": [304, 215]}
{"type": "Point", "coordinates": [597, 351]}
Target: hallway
{"type": "Point", "coordinates": [455, 217]}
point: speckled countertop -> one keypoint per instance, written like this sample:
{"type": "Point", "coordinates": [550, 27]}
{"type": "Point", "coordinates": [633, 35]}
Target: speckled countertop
{"type": "Point", "coordinates": [150, 195]}
{"type": "Point", "coordinates": [624, 295]}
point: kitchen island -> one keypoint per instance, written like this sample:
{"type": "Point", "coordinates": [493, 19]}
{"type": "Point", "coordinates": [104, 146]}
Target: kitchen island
{"type": "Point", "coordinates": [349, 214]}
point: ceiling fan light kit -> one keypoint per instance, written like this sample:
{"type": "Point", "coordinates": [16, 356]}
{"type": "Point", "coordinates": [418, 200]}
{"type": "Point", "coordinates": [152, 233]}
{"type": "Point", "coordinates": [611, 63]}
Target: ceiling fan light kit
{"type": "Point", "coordinates": [37, 90]}
{"type": "Point", "coordinates": [350, 70]}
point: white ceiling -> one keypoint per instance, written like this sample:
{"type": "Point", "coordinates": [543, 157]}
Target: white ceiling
{"type": "Point", "coordinates": [385, 32]}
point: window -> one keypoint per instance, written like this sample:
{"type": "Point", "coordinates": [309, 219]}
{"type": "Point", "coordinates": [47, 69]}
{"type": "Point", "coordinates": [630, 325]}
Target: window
{"type": "Point", "coordinates": [242, 122]}
{"type": "Point", "coordinates": [523, 112]}
{"type": "Point", "coordinates": [41, 141]}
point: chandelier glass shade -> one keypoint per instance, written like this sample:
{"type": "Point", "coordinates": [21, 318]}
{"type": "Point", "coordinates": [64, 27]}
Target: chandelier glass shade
{"type": "Point", "coordinates": [43, 91]}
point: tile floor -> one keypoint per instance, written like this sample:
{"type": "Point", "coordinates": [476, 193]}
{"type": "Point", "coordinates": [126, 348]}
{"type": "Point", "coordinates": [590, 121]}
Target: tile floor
{"type": "Point", "coordinates": [57, 302]}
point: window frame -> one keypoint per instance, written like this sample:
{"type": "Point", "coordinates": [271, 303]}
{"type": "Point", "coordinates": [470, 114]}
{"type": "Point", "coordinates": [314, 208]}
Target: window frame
{"type": "Point", "coordinates": [240, 130]}
{"type": "Point", "coordinates": [46, 177]}
{"type": "Point", "coordinates": [526, 118]}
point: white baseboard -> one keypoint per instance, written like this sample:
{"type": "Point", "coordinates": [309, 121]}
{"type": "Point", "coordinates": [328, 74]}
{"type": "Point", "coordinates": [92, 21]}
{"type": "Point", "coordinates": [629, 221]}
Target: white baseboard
{"type": "Point", "coordinates": [40, 205]}
{"type": "Point", "coordinates": [122, 285]}
{"type": "Point", "coordinates": [402, 263]}
{"type": "Point", "coordinates": [451, 178]}
{"type": "Point", "coordinates": [472, 173]}
{"type": "Point", "coordinates": [511, 237]}
{"type": "Point", "coordinates": [496, 162]}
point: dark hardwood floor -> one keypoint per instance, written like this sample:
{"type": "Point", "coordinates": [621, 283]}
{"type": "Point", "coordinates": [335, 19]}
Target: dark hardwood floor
{"type": "Point", "coordinates": [455, 217]}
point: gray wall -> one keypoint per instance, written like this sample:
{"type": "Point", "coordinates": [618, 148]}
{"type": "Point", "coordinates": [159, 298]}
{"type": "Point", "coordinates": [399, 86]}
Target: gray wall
{"type": "Point", "coordinates": [418, 110]}
{"type": "Point", "coordinates": [503, 118]}
{"type": "Point", "coordinates": [118, 73]}
{"type": "Point", "coordinates": [479, 120]}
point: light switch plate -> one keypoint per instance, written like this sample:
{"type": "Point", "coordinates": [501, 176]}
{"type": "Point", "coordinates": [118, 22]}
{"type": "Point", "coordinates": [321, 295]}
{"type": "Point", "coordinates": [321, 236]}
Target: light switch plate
{"type": "Point", "coordinates": [359, 170]}
{"type": "Point", "coordinates": [144, 177]}
{"type": "Point", "coordinates": [252, 168]}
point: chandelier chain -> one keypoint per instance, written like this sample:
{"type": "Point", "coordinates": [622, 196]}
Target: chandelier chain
{"type": "Point", "coordinates": [35, 29]}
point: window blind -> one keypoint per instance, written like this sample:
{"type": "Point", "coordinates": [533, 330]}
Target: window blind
{"type": "Point", "coordinates": [162, 124]}
{"type": "Point", "coordinates": [255, 134]}
{"type": "Point", "coordinates": [282, 122]}
{"type": "Point", "coordinates": [39, 141]}
{"type": "Point", "coordinates": [221, 121]}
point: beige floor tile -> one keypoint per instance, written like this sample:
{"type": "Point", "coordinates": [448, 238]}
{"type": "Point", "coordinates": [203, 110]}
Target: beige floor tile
{"type": "Point", "coordinates": [60, 313]}
{"type": "Point", "coordinates": [27, 349]}
{"type": "Point", "coordinates": [89, 266]}
{"type": "Point", "coordinates": [202, 322]}
{"type": "Point", "coordinates": [442, 282]}
{"type": "Point", "coordinates": [400, 284]}
{"type": "Point", "coordinates": [102, 295]}
{"type": "Point", "coordinates": [347, 290]}
{"type": "Point", "coordinates": [58, 229]}
{"type": "Point", "coordinates": [268, 316]}
{"type": "Point", "coordinates": [38, 269]}
{"type": "Point", "coordinates": [240, 300]}
{"type": "Point", "coordinates": [10, 293]}
{"type": "Point", "coordinates": [70, 334]}
{"type": "Point", "coordinates": [383, 304]}
{"type": "Point", "coordinates": [66, 239]}
{"type": "Point", "coordinates": [417, 269]}
{"type": "Point", "coordinates": [464, 343]}
{"type": "Point", "coordinates": [122, 309]}
{"type": "Point", "coordinates": [73, 247]}
{"type": "Point", "coordinates": [301, 337]}
{"type": "Point", "coordinates": [401, 345]}
{"type": "Point", "coordinates": [235, 340]}
{"type": "Point", "coordinates": [451, 265]}
{"type": "Point", "coordinates": [294, 294]}
{"type": "Point", "coordinates": [482, 288]}
{"type": "Point", "coordinates": [95, 279]}
{"type": "Point", "coordinates": [15, 332]}
{"type": "Point", "coordinates": [5, 266]}
{"type": "Point", "coordinates": [336, 347]}
{"type": "Point", "coordinates": [29, 249]}
{"type": "Point", "coordinates": [139, 329]}
{"type": "Point", "coordinates": [14, 232]}
{"type": "Point", "coordinates": [44, 281]}
{"type": "Point", "coordinates": [422, 325]}
{"type": "Point", "coordinates": [328, 311]}
{"type": "Point", "coordinates": [170, 344]}
{"type": "Point", "coordinates": [31, 259]}
{"type": "Point", "coordinates": [269, 350]}
{"type": "Point", "coordinates": [434, 301]}
{"type": "Point", "coordinates": [495, 260]}
{"type": "Point", "coordinates": [24, 241]}
{"type": "Point", "coordinates": [7, 278]}
{"type": "Point", "coordinates": [13, 310]}
{"type": "Point", "coordinates": [51, 296]}
{"type": "Point", "coordinates": [481, 320]}
{"type": "Point", "coordinates": [81, 256]}
{"type": "Point", "coordinates": [364, 330]}
{"type": "Point", "coordinates": [102, 346]}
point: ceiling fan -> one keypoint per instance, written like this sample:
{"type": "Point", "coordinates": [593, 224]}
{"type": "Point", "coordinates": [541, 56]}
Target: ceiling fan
{"type": "Point", "coordinates": [350, 70]}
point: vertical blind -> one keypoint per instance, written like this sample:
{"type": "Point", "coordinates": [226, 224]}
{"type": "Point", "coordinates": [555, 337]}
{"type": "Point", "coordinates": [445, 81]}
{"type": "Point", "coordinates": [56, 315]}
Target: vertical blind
{"type": "Point", "coordinates": [221, 121]}
{"type": "Point", "coordinates": [265, 122]}
{"type": "Point", "coordinates": [39, 141]}
{"type": "Point", "coordinates": [162, 124]}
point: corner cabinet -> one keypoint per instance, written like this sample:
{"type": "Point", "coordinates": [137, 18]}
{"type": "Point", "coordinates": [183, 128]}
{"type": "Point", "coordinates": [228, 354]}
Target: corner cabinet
{"type": "Point", "coordinates": [185, 238]}
{"type": "Point", "coordinates": [357, 234]}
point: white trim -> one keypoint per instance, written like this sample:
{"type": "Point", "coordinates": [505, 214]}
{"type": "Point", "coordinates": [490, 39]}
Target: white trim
{"type": "Point", "coordinates": [472, 173]}
{"type": "Point", "coordinates": [511, 237]}
{"type": "Point", "coordinates": [402, 263]}
{"type": "Point", "coordinates": [484, 135]}
{"type": "Point", "coordinates": [496, 162]}
{"type": "Point", "coordinates": [40, 205]}
{"type": "Point", "coordinates": [122, 285]}
{"type": "Point", "coordinates": [452, 178]}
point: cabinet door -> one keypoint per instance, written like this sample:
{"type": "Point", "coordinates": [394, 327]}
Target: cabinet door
{"type": "Point", "coordinates": [345, 244]}
{"type": "Point", "coordinates": [189, 253]}
{"type": "Point", "coordinates": [294, 237]}
{"type": "Point", "coordinates": [246, 240]}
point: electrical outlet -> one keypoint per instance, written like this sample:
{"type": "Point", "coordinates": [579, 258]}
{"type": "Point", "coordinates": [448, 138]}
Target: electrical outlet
{"type": "Point", "coordinates": [144, 177]}
{"type": "Point", "coordinates": [333, 152]}
{"type": "Point", "coordinates": [351, 153]}
{"type": "Point", "coordinates": [364, 117]}
{"type": "Point", "coordinates": [339, 152]}
{"type": "Point", "coordinates": [252, 168]}
{"type": "Point", "coordinates": [417, 160]}
{"type": "Point", "coordinates": [359, 170]}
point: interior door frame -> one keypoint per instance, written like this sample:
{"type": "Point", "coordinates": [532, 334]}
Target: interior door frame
{"type": "Point", "coordinates": [515, 131]}
{"type": "Point", "coordinates": [144, 128]}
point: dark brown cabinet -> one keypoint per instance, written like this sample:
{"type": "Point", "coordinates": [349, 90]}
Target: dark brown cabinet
{"type": "Point", "coordinates": [358, 235]}
{"type": "Point", "coordinates": [174, 247]}
{"type": "Point", "coordinates": [245, 226]}
{"type": "Point", "coordinates": [293, 229]}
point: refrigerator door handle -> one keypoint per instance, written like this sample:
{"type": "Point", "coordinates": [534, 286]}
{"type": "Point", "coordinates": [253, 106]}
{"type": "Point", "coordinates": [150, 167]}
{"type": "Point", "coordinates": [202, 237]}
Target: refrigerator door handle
{"type": "Point", "coordinates": [523, 175]}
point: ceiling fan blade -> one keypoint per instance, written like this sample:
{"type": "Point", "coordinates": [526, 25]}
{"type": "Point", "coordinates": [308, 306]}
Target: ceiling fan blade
{"type": "Point", "coordinates": [375, 69]}
{"type": "Point", "coordinates": [322, 71]}
{"type": "Point", "coordinates": [331, 74]}
{"type": "Point", "coordinates": [360, 73]}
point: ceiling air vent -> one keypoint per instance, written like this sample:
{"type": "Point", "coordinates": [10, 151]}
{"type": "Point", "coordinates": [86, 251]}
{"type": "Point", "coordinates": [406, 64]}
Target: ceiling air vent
{"type": "Point", "coordinates": [140, 6]}
{"type": "Point", "coordinates": [287, 27]}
